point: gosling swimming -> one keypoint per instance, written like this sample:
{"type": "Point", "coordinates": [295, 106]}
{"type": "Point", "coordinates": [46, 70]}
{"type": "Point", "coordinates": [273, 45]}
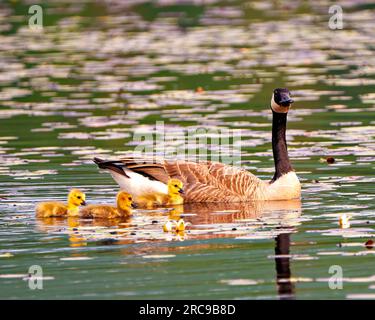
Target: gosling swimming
{"type": "Point", "coordinates": [176, 226]}
{"type": "Point", "coordinates": [124, 208]}
{"type": "Point", "coordinates": [76, 198]}
{"type": "Point", "coordinates": [173, 197]}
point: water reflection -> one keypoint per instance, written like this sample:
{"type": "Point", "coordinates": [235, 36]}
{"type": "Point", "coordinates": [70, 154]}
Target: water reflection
{"type": "Point", "coordinates": [242, 220]}
{"type": "Point", "coordinates": [206, 220]}
{"type": "Point", "coordinates": [285, 287]}
{"type": "Point", "coordinates": [284, 213]}
{"type": "Point", "coordinates": [212, 213]}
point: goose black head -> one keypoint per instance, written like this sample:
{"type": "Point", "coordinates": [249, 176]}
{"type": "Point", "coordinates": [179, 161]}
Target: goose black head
{"type": "Point", "coordinates": [281, 100]}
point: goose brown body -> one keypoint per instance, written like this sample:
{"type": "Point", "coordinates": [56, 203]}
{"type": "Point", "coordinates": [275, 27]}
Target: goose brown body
{"type": "Point", "coordinates": [213, 181]}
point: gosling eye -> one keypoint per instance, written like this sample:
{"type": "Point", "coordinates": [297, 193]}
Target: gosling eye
{"type": "Point", "coordinates": [78, 197]}
{"type": "Point", "coordinates": [176, 185]}
{"type": "Point", "coordinates": [130, 199]}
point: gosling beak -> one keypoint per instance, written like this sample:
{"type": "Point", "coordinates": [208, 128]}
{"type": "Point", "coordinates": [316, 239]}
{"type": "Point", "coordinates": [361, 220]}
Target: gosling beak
{"type": "Point", "coordinates": [181, 191]}
{"type": "Point", "coordinates": [134, 205]}
{"type": "Point", "coordinates": [83, 203]}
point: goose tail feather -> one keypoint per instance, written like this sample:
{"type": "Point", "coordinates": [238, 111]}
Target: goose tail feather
{"type": "Point", "coordinates": [110, 165]}
{"type": "Point", "coordinates": [130, 180]}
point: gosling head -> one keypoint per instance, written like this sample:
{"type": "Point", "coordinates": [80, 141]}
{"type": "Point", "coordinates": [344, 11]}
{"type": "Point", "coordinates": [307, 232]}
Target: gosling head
{"type": "Point", "coordinates": [125, 201]}
{"type": "Point", "coordinates": [76, 198]}
{"type": "Point", "coordinates": [281, 100]}
{"type": "Point", "coordinates": [175, 187]}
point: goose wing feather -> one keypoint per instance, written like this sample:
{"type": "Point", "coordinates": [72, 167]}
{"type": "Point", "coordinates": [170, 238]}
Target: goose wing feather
{"type": "Point", "coordinates": [152, 170]}
{"type": "Point", "coordinates": [203, 181]}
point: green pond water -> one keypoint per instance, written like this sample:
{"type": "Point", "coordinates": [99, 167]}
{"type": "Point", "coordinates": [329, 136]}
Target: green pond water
{"type": "Point", "coordinates": [101, 72]}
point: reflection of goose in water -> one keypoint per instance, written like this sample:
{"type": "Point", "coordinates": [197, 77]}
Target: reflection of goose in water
{"type": "Point", "coordinates": [200, 216]}
{"type": "Point", "coordinates": [209, 213]}
{"type": "Point", "coordinates": [285, 287]}
{"type": "Point", "coordinates": [74, 227]}
{"type": "Point", "coordinates": [213, 181]}
{"type": "Point", "coordinates": [284, 215]}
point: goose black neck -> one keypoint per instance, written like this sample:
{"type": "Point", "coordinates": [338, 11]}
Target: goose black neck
{"type": "Point", "coordinates": [279, 147]}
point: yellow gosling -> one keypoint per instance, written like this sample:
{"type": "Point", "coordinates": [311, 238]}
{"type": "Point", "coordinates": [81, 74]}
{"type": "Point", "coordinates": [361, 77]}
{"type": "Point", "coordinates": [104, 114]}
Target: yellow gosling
{"type": "Point", "coordinates": [344, 221]}
{"type": "Point", "coordinates": [124, 208]}
{"type": "Point", "coordinates": [175, 189]}
{"type": "Point", "coordinates": [159, 199]}
{"type": "Point", "coordinates": [177, 226]}
{"type": "Point", "coordinates": [180, 225]}
{"type": "Point", "coordinates": [76, 198]}
{"type": "Point", "coordinates": [168, 226]}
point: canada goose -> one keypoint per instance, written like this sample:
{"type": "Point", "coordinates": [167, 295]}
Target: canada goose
{"type": "Point", "coordinates": [124, 208]}
{"type": "Point", "coordinates": [160, 199]}
{"type": "Point", "coordinates": [76, 198]}
{"type": "Point", "coordinates": [212, 181]}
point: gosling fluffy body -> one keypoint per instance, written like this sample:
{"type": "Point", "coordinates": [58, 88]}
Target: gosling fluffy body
{"type": "Point", "coordinates": [124, 208]}
{"type": "Point", "coordinates": [160, 199]}
{"type": "Point", "coordinates": [76, 198]}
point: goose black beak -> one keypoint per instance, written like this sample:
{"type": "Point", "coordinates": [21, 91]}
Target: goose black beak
{"type": "Point", "coordinates": [181, 191]}
{"type": "Point", "coordinates": [83, 203]}
{"type": "Point", "coordinates": [286, 102]}
{"type": "Point", "coordinates": [134, 205]}
{"type": "Point", "coordinates": [285, 99]}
